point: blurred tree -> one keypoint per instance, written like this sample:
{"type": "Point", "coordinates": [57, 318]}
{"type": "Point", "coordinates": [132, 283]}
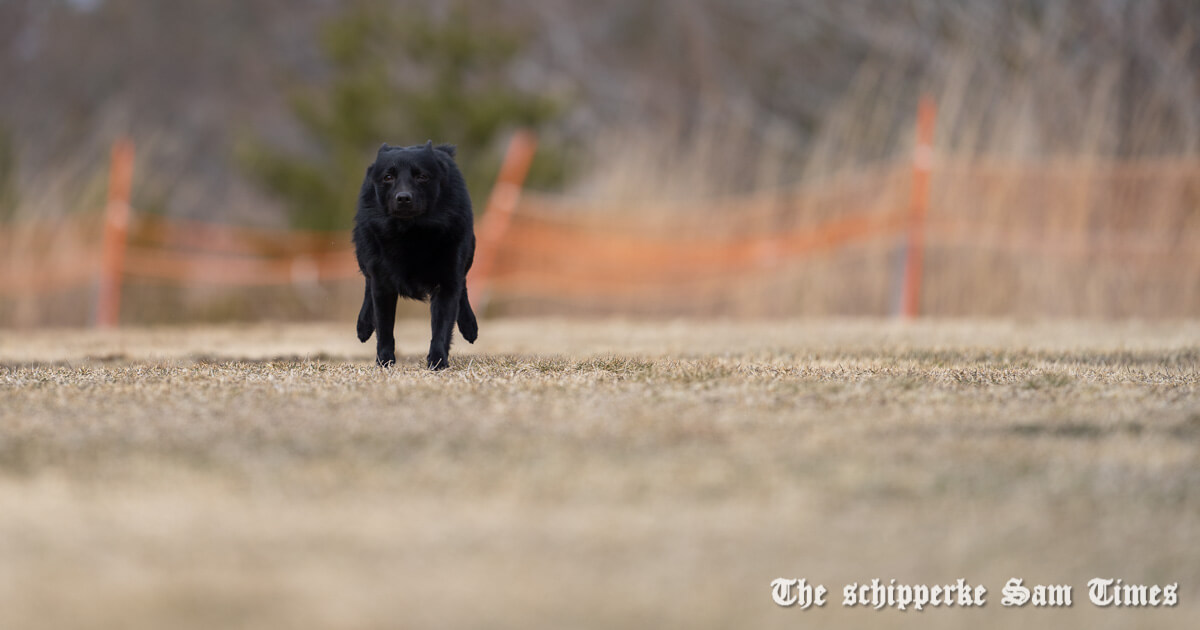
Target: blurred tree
{"type": "Point", "coordinates": [401, 81]}
{"type": "Point", "coordinates": [8, 175]}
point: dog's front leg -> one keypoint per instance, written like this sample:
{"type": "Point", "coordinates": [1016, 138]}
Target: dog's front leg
{"type": "Point", "coordinates": [443, 310]}
{"type": "Point", "coordinates": [383, 300]}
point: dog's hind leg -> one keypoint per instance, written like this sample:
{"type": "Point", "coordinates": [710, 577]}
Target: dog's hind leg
{"type": "Point", "coordinates": [366, 315]}
{"type": "Point", "coordinates": [466, 319]}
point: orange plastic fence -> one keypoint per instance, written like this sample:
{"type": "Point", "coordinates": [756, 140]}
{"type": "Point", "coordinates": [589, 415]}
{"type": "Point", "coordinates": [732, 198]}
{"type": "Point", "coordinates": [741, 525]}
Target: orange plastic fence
{"type": "Point", "coordinates": [636, 256]}
{"type": "Point", "coordinates": [191, 252]}
{"type": "Point", "coordinates": [224, 239]}
{"type": "Point", "coordinates": [556, 247]}
{"type": "Point", "coordinates": [498, 213]}
{"type": "Point", "coordinates": [243, 271]}
{"type": "Point", "coordinates": [540, 255]}
{"type": "Point", "coordinates": [66, 273]}
{"type": "Point", "coordinates": [116, 230]}
{"type": "Point", "coordinates": [187, 252]}
{"type": "Point", "coordinates": [561, 260]}
{"type": "Point", "coordinates": [1101, 245]}
{"type": "Point", "coordinates": [48, 256]}
{"type": "Point", "coordinates": [910, 296]}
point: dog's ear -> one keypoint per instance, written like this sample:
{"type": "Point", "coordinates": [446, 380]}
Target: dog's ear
{"type": "Point", "coordinates": [448, 149]}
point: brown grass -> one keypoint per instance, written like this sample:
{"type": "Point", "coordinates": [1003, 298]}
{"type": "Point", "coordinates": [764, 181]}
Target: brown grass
{"type": "Point", "coordinates": [603, 474]}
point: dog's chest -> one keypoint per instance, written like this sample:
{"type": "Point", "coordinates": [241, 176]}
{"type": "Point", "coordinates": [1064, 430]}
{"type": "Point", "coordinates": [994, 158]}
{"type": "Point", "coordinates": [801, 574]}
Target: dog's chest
{"type": "Point", "coordinates": [417, 261]}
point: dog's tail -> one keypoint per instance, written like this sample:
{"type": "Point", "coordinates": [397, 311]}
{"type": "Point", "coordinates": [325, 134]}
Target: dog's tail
{"type": "Point", "coordinates": [466, 319]}
{"type": "Point", "coordinates": [366, 316]}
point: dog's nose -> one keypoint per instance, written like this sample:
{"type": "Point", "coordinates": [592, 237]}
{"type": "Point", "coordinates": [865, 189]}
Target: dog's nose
{"type": "Point", "coordinates": [404, 199]}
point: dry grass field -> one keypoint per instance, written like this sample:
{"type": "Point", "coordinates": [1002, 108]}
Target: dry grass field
{"type": "Point", "coordinates": [593, 475]}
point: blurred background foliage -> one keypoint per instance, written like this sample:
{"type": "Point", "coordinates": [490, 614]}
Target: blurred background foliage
{"type": "Point", "coordinates": [401, 77]}
{"type": "Point", "coordinates": [8, 175]}
{"type": "Point", "coordinates": [259, 111]}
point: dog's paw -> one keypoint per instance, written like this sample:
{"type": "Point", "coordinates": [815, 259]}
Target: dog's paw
{"type": "Point", "coordinates": [385, 358]}
{"type": "Point", "coordinates": [365, 330]}
{"type": "Point", "coordinates": [437, 361]}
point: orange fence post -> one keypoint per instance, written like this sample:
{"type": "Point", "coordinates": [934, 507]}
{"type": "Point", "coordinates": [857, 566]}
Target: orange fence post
{"type": "Point", "coordinates": [498, 212]}
{"type": "Point", "coordinates": [116, 232]}
{"type": "Point", "coordinates": [910, 295]}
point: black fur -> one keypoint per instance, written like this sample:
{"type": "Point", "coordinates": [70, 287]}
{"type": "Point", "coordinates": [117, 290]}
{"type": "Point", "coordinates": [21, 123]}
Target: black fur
{"type": "Point", "coordinates": [414, 237]}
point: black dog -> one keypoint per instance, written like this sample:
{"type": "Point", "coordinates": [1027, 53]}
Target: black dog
{"type": "Point", "coordinates": [413, 236]}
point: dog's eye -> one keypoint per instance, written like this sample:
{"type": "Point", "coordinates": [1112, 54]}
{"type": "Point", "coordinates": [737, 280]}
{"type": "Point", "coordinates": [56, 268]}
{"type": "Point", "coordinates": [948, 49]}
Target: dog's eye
{"type": "Point", "coordinates": [389, 178]}
{"type": "Point", "coordinates": [422, 177]}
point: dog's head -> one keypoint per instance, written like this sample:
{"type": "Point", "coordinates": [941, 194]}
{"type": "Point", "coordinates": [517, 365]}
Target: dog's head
{"type": "Point", "coordinates": [408, 180]}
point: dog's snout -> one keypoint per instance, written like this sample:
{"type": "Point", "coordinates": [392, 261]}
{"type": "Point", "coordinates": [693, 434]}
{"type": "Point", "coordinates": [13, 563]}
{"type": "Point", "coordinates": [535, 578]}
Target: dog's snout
{"type": "Point", "coordinates": [404, 199]}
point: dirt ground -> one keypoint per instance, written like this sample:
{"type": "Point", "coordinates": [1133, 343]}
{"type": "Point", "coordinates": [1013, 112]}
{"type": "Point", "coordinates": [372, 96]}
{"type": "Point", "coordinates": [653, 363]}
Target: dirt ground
{"type": "Point", "coordinates": [608, 474]}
